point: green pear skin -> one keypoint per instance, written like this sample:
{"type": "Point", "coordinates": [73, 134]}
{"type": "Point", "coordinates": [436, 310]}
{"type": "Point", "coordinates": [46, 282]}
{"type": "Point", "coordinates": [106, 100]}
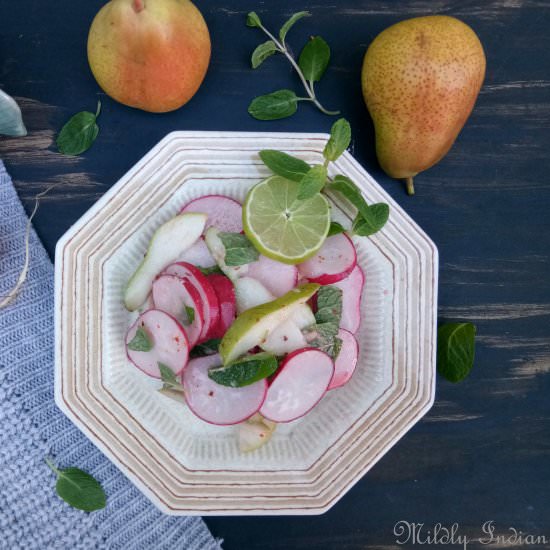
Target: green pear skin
{"type": "Point", "coordinates": [420, 81]}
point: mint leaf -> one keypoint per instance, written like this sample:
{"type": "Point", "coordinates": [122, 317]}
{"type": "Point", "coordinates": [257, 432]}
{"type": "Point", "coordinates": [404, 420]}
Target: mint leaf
{"type": "Point", "coordinates": [252, 20]}
{"type": "Point", "coordinates": [290, 23]}
{"type": "Point", "coordinates": [245, 370]}
{"type": "Point", "coordinates": [455, 350]}
{"type": "Point", "coordinates": [334, 229]}
{"type": "Point", "coordinates": [79, 133]}
{"type": "Point", "coordinates": [323, 336]}
{"type": "Point", "coordinates": [262, 52]}
{"type": "Point", "coordinates": [329, 305]}
{"type": "Point", "coordinates": [273, 106]}
{"type": "Point", "coordinates": [141, 341]}
{"type": "Point", "coordinates": [284, 165]}
{"type": "Point", "coordinates": [210, 347]}
{"type": "Point", "coordinates": [78, 488]}
{"type": "Point", "coordinates": [347, 188]}
{"type": "Point", "coordinates": [211, 270]}
{"type": "Point", "coordinates": [190, 314]}
{"type": "Point", "coordinates": [314, 58]}
{"type": "Point", "coordinates": [340, 138]}
{"type": "Point", "coordinates": [238, 249]}
{"type": "Point", "coordinates": [378, 215]}
{"type": "Point", "coordinates": [168, 377]}
{"type": "Point", "coordinates": [312, 182]}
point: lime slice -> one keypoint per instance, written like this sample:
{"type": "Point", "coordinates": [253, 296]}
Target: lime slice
{"type": "Point", "coordinates": [281, 226]}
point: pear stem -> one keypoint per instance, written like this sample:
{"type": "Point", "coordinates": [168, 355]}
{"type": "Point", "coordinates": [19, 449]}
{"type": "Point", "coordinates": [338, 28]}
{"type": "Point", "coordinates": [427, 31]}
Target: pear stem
{"type": "Point", "coordinates": [410, 185]}
{"type": "Point", "coordinates": [138, 5]}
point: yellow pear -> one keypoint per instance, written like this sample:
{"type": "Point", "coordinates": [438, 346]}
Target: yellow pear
{"type": "Point", "coordinates": [420, 80]}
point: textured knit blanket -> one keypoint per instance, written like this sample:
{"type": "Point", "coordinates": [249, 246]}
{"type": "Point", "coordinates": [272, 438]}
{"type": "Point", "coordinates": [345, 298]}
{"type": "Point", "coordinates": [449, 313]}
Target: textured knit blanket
{"type": "Point", "coordinates": [31, 427]}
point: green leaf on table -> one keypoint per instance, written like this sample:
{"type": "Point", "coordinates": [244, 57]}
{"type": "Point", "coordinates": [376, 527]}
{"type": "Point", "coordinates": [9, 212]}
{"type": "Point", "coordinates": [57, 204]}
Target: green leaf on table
{"type": "Point", "coordinates": [335, 229]}
{"type": "Point", "coordinates": [377, 217]}
{"type": "Point", "coordinates": [79, 133]}
{"type": "Point", "coordinates": [190, 314]}
{"type": "Point", "coordinates": [245, 370]}
{"type": "Point", "coordinates": [238, 249]}
{"type": "Point", "coordinates": [314, 58]}
{"type": "Point", "coordinates": [312, 182]}
{"type": "Point", "coordinates": [252, 20]}
{"type": "Point", "coordinates": [215, 269]}
{"type": "Point", "coordinates": [340, 138]}
{"type": "Point", "coordinates": [290, 23]}
{"type": "Point", "coordinates": [455, 350]}
{"type": "Point", "coordinates": [284, 165]}
{"type": "Point", "coordinates": [210, 347]}
{"type": "Point", "coordinates": [273, 106]}
{"type": "Point", "coordinates": [262, 52]}
{"type": "Point", "coordinates": [78, 488]}
{"type": "Point", "coordinates": [168, 377]}
{"type": "Point", "coordinates": [141, 341]}
{"type": "Point", "coordinates": [329, 305]}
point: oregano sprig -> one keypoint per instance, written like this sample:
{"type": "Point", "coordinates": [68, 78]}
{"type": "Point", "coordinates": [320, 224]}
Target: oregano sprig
{"type": "Point", "coordinates": [311, 65]}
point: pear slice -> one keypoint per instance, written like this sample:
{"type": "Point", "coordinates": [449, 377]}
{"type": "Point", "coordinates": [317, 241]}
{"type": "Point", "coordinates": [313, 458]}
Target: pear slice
{"type": "Point", "coordinates": [252, 327]}
{"type": "Point", "coordinates": [167, 244]}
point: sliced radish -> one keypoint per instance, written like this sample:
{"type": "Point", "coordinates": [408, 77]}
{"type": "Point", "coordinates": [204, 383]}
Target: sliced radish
{"type": "Point", "coordinates": [352, 289]}
{"type": "Point", "coordinates": [334, 261]}
{"type": "Point", "coordinates": [298, 386]}
{"type": "Point", "coordinates": [167, 338]}
{"type": "Point", "coordinates": [169, 241]}
{"type": "Point", "coordinates": [345, 363]}
{"type": "Point", "coordinates": [209, 300]}
{"type": "Point", "coordinates": [277, 277]}
{"type": "Point", "coordinates": [198, 255]}
{"type": "Point", "coordinates": [283, 339]}
{"type": "Point", "coordinates": [225, 292]}
{"type": "Point", "coordinates": [250, 293]}
{"type": "Point", "coordinates": [215, 403]}
{"type": "Point", "coordinates": [224, 213]}
{"type": "Point", "coordinates": [174, 296]}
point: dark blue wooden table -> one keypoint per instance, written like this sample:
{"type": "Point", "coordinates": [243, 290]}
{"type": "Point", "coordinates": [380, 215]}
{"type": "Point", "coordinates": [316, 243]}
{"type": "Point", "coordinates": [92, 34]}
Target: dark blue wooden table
{"type": "Point", "coordinates": [483, 452]}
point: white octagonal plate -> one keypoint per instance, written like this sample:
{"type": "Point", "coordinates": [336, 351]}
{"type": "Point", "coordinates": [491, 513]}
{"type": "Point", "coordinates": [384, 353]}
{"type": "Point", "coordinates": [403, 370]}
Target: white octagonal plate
{"type": "Point", "coordinates": [182, 464]}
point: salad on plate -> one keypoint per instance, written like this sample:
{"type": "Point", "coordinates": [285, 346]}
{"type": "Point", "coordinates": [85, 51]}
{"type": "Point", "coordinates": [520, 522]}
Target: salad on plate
{"type": "Point", "coordinates": [248, 312]}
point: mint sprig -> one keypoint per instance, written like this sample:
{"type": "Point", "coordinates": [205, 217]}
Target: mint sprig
{"type": "Point", "coordinates": [78, 488]}
{"type": "Point", "coordinates": [312, 64]}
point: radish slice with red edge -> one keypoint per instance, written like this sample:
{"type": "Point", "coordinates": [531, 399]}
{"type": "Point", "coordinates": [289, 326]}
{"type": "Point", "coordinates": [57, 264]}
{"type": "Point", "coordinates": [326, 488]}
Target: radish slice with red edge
{"type": "Point", "coordinates": [217, 404]}
{"type": "Point", "coordinates": [223, 212]}
{"type": "Point", "coordinates": [301, 382]}
{"type": "Point", "coordinates": [168, 341]}
{"type": "Point", "coordinates": [209, 300]}
{"type": "Point", "coordinates": [352, 289]}
{"type": "Point", "coordinates": [225, 292]}
{"type": "Point", "coordinates": [277, 277]}
{"type": "Point", "coordinates": [345, 363]}
{"type": "Point", "coordinates": [178, 297]}
{"type": "Point", "coordinates": [198, 255]}
{"type": "Point", "coordinates": [334, 261]}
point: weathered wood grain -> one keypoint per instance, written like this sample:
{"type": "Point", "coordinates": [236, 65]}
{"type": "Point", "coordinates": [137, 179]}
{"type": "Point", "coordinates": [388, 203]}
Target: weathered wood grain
{"type": "Point", "coordinates": [483, 451]}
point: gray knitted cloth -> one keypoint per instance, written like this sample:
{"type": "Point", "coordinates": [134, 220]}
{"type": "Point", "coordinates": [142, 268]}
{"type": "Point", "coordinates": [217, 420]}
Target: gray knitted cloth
{"type": "Point", "coordinates": [31, 427]}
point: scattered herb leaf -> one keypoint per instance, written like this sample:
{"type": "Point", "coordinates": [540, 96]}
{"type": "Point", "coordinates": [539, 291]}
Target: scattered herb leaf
{"type": "Point", "coordinates": [215, 269]}
{"type": "Point", "coordinates": [329, 305]}
{"type": "Point", "coordinates": [378, 215]}
{"type": "Point", "coordinates": [340, 138]}
{"type": "Point", "coordinates": [78, 488]}
{"type": "Point", "coordinates": [285, 165]}
{"type": "Point", "coordinates": [273, 106]}
{"type": "Point", "coordinates": [170, 382]}
{"type": "Point", "coordinates": [290, 23]}
{"type": "Point", "coordinates": [334, 229]}
{"type": "Point", "coordinates": [238, 249]}
{"type": "Point", "coordinates": [313, 182]}
{"type": "Point", "coordinates": [314, 58]}
{"type": "Point", "coordinates": [141, 341]}
{"type": "Point", "coordinates": [245, 370]}
{"type": "Point", "coordinates": [79, 132]}
{"type": "Point", "coordinates": [455, 350]}
{"type": "Point", "coordinates": [262, 52]}
{"type": "Point", "coordinates": [323, 336]}
{"type": "Point", "coordinates": [190, 314]}
{"type": "Point", "coordinates": [210, 347]}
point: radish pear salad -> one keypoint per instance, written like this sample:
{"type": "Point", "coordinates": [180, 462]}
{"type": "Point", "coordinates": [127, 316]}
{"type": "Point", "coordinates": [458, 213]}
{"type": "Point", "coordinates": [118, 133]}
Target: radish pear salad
{"type": "Point", "coordinates": [248, 312]}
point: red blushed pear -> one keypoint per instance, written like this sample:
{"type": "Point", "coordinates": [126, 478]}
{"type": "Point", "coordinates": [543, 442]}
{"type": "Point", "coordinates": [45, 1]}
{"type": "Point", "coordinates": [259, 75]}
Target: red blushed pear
{"type": "Point", "coordinates": [149, 54]}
